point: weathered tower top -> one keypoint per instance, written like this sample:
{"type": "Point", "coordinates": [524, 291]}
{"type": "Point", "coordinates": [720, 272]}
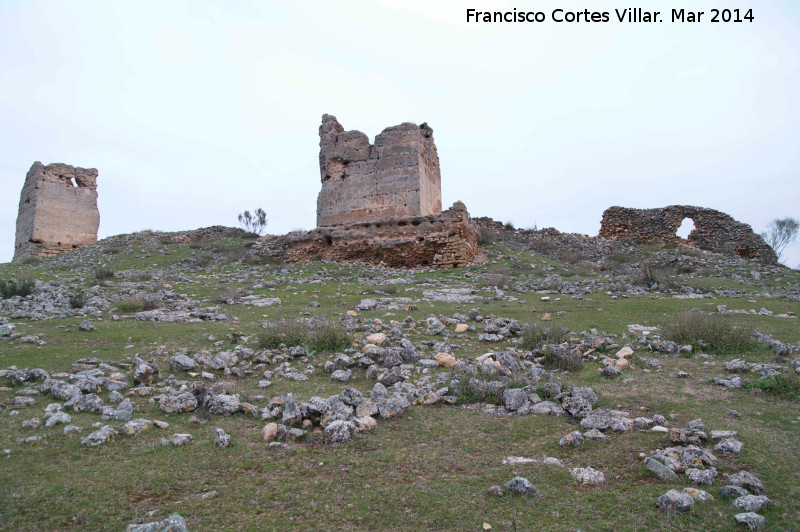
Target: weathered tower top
{"type": "Point", "coordinates": [57, 210]}
{"type": "Point", "coordinates": [397, 177]}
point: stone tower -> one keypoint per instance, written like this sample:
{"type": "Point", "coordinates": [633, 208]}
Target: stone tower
{"type": "Point", "coordinates": [397, 177]}
{"type": "Point", "coordinates": [57, 210]}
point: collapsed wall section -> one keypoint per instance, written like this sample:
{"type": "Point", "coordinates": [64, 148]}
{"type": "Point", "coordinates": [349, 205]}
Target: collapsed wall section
{"type": "Point", "coordinates": [445, 240]}
{"type": "Point", "coordinates": [714, 230]}
{"type": "Point", "coordinates": [397, 177]}
{"type": "Point", "coordinates": [57, 210]}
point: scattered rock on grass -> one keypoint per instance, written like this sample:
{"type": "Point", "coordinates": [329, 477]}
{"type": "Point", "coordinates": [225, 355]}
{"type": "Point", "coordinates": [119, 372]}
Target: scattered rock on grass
{"type": "Point", "coordinates": [675, 500]}
{"type": "Point", "coordinates": [520, 486]}
{"type": "Point", "coordinates": [173, 523]}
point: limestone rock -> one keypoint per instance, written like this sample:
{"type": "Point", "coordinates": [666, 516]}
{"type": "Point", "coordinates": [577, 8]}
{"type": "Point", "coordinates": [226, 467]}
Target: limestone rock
{"type": "Point", "coordinates": [675, 500]}
{"type": "Point", "coordinates": [587, 476]}
{"type": "Point", "coordinates": [752, 503]}
{"type": "Point", "coordinates": [99, 437]}
{"type": "Point", "coordinates": [178, 403]}
{"type": "Point", "coordinates": [173, 523]}
{"type": "Point", "coordinates": [751, 520]}
{"type": "Point", "coordinates": [445, 360]}
{"type": "Point", "coordinates": [221, 438]}
{"type": "Point", "coordinates": [520, 486]}
{"type": "Point", "coordinates": [338, 431]}
{"type": "Point", "coordinates": [748, 481]}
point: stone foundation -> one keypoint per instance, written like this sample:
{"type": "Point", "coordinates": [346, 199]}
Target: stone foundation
{"type": "Point", "coordinates": [714, 230]}
{"type": "Point", "coordinates": [57, 210]}
{"type": "Point", "coordinates": [445, 240]}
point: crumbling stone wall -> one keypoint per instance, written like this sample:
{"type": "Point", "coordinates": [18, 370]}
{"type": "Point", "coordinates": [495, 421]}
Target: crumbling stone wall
{"type": "Point", "coordinates": [714, 230]}
{"type": "Point", "coordinates": [397, 177]}
{"type": "Point", "coordinates": [445, 240]}
{"type": "Point", "coordinates": [57, 210]}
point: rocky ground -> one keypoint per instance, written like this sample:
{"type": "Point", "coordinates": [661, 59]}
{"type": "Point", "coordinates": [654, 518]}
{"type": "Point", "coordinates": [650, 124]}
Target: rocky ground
{"type": "Point", "coordinates": [563, 383]}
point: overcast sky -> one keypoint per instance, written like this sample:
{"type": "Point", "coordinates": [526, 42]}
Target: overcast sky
{"type": "Point", "coordinates": [194, 110]}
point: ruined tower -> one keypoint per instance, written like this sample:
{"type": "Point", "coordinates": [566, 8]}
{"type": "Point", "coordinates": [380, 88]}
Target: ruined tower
{"type": "Point", "coordinates": [57, 210]}
{"type": "Point", "coordinates": [397, 177]}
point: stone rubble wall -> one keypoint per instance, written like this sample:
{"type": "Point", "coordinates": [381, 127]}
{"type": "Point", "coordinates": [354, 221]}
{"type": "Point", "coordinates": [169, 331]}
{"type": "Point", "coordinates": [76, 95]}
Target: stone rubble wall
{"type": "Point", "coordinates": [397, 177]}
{"type": "Point", "coordinates": [57, 210]}
{"type": "Point", "coordinates": [714, 230]}
{"type": "Point", "coordinates": [445, 240]}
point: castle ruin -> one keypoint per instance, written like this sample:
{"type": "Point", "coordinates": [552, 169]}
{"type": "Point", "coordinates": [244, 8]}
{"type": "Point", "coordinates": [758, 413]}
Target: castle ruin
{"type": "Point", "coordinates": [57, 210]}
{"type": "Point", "coordinates": [380, 204]}
{"type": "Point", "coordinates": [714, 230]}
{"type": "Point", "coordinates": [397, 177]}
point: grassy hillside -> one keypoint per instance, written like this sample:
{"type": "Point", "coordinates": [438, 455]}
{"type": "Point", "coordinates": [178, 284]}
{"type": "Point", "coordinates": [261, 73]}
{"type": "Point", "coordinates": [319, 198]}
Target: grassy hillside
{"type": "Point", "coordinates": [429, 468]}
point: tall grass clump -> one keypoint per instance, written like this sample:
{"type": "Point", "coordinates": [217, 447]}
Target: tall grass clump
{"type": "Point", "coordinates": [328, 337]}
{"type": "Point", "coordinates": [534, 336]}
{"type": "Point", "coordinates": [102, 272]}
{"type": "Point", "coordinates": [22, 288]}
{"type": "Point", "coordinates": [708, 331]}
{"type": "Point", "coordinates": [77, 299]}
{"type": "Point", "coordinates": [137, 304]}
{"type": "Point", "coordinates": [783, 386]}
{"type": "Point", "coordinates": [564, 359]}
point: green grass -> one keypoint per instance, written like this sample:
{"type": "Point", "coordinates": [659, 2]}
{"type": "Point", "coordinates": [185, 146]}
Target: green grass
{"type": "Point", "coordinates": [783, 386]}
{"type": "Point", "coordinates": [428, 470]}
{"type": "Point", "coordinates": [534, 336]}
{"type": "Point", "coordinates": [710, 332]}
{"type": "Point", "coordinates": [331, 337]}
{"type": "Point", "coordinates": [12, 288]}
{"type": "Point", "coordinates": [136, 304]}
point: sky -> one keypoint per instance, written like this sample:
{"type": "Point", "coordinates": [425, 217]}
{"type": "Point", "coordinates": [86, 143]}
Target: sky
{"type": "Point", "coordinates": [195, 110]}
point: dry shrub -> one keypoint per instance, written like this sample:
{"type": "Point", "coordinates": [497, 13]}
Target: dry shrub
{"type": "Point", "coordinates": [534, 336]}
{"type": "Point", "coordinates": [711, 332]}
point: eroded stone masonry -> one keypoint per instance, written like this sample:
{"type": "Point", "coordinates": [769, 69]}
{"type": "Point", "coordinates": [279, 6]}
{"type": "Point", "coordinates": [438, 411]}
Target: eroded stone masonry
{"type": "Point", "coordinates": [714, 230]}
{"type": "Point", "coordinates": [445, 240]}
{"type": "Point", "coordinates": [380, 204]}
{"type": "Point", "coordinates": [397, 177]}
{"type": "Point", "coordinates": [57, 210]}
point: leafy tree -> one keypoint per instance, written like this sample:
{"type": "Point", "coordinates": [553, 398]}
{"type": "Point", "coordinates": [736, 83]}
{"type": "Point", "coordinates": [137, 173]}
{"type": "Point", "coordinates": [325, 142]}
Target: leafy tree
{"type": "Point", "coordinates": [780, 233]}
{"type": "Point", "coordinates": [253, 223]}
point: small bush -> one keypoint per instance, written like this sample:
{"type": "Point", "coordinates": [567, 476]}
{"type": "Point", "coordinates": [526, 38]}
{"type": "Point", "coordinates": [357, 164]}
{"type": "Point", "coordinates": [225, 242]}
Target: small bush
{"type": "Point", "coordinates": [77, 300]}
{"type": "Point", "coordinates": [783, 386]}
{"type": "Point", "coordinates": [141, 277]}
{"type": "Point", "coordinates": [233, 253]}
{"type": "Point", "coordinates": [388, 289]}
{"type": "Point", "coordinates": [487, 237]}
{"type": "Point", "coordinates": [534, 336]}
{"type": "Point", "coordinates": [712, 332]}
{"type": "Point", "coordinates": [230, 294]}
{"type": "Point", "coordinates": [22, 288]}
{"type": "Point", "coordinates": [254, 223]}
{"type": "Point", "coordinates": [137, 304]}
{"type": "Point", "coordinates": [287, 332]}
{"type": "Point", "coordinates": [571, 256]}
{"type": "Point", "coordinates": [498, 276]}
{"type": "Point", "coordinates": [263, 260]}
{"type": "Point", "coordinates": [102, 272]}
{"type": "Point", "coordinates": [330, 337]}
{"type": "Point", "coordinates": [509, 226]}
{"type": "Point", "coordinates": [31, 261]}
{"type": "Point", "coordinates": [467, 393]}
{"type": "Point", "coordinates": [571, 360]}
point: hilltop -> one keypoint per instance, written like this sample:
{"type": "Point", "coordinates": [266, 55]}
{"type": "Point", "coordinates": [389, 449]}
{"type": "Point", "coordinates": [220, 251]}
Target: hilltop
{"type": "Point", "coordinates": [351, 396]}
